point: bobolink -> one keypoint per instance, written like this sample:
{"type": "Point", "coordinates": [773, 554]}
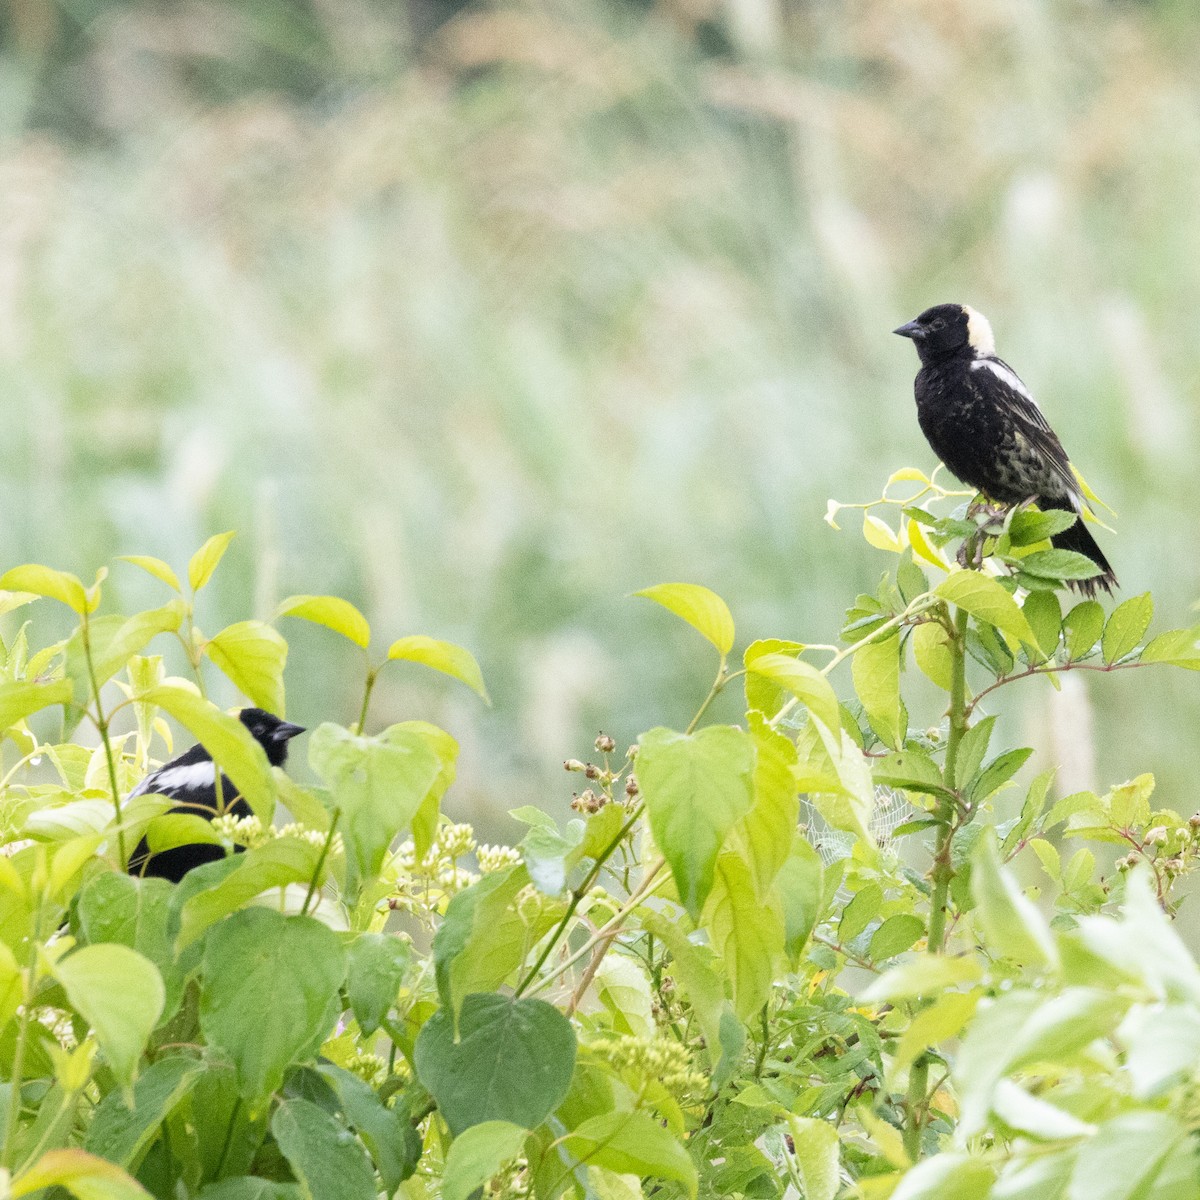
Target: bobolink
{"type": "Point", "coordinates": [984, 425]}
{"type": "Point", "coordinates": [190, 780]}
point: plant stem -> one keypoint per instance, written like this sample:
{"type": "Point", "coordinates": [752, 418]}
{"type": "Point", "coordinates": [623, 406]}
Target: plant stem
{"type": "Point", "coordinates": [102, 726]}
{"type": "Point", "coordinates": [372, 675]}
{"type": "Point", "coordinates": [918, 1077]}
{"type": "Point", "coordinates": [576, 899]}
{"type": "Point", "coordinates": [312, 883]}
{"type": "Point", "coordinates": [653, 881]}
{"type": "Point", "coordinates": [13, 1116]}
{"type": "Point", "coordinates": [721, 680]}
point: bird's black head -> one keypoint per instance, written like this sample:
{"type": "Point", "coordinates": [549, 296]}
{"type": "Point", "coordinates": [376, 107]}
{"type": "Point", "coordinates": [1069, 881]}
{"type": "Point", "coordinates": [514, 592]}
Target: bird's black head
{"type": "Point", "coordinates": [945, 330]}
{"type": "Point", "coordinates": [270, 732]}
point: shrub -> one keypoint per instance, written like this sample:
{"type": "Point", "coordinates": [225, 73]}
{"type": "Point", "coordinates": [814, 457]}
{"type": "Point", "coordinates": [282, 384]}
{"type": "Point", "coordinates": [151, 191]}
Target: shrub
{"type": "Point", "coordinates": [795, 951]}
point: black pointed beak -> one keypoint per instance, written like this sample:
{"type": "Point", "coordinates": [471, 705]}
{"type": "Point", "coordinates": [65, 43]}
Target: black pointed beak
{"type": "Point", "coordinates": [912, 329]}
{"type": "Point", "coordinates": [285, 731]}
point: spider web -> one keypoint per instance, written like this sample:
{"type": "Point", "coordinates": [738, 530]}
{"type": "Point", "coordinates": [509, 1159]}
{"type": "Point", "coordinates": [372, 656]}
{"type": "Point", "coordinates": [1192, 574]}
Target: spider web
{"type": "Point", "coordinates": [890, 812]}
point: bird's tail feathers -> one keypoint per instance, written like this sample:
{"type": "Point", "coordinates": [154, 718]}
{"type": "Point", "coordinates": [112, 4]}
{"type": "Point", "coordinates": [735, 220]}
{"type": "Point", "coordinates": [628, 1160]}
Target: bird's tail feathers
{"type": "Point", "coordinates": [1078, 537]}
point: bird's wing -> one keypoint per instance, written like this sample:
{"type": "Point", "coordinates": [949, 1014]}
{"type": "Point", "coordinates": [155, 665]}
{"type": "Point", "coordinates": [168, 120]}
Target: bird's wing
{"type": "Point", "coordinates": [1030, 421]}
{"type": "Point", "coordinates": [181, 781]}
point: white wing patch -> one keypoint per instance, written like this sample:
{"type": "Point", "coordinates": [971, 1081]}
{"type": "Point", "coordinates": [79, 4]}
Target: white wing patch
{"type": "Point", "coordinates": [193, 775]}
{"type": "Point", "coordinates": [1006, 375]}
{"type": "Point", "coordinates": [979, 332]}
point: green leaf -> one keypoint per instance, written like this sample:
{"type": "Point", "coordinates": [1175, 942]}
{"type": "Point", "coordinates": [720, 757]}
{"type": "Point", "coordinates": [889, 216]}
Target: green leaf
{"type": "Point", "coordinates": [258, 961]}
{"type": "Point", "coordinates": [1177, 647]}
{"type": "Point", "coordinates": [876, 672]}
{"type": "Point", "coordinates": [84, 1175]}
{"type": "Point", "coordinates": [1083, 625]}
{"type": "Point", "coordinates": [377, 962]}
{"type": "Point", "coordinates": [1127, 626]}
{"type": "Point", "coordinates": [816, 1147]}
{"type": "Point", "coordinates": [860, 912]}
{"type": "Point", "coordinates": [1129, 803]}
{"type": "Point", "coordinates": [331, 611]}
{"type": "Point", "coordinates": [204, 562]}
{"type": "Point", "coordinates": [274, 864]}
{"type": "Point", "coordinates": [225, 738]}
{"type": "Point", "coordinates": [326, 1159]}
{"type": "Point", "coordinates": [478, 1154]}
{"type": "Point", "coordinates": [897, 934]}
{"type": "Point", "coordinates": [748, 934]}
{"type": "Point", "coordinates": [441, 656]}
{"type": "Point", "coordinates": [802, 680]}
{"type": "Point", "coordinates": [697, 787]}
{"type": "Point", "coordinates": [932, 654]}
{"type": "Point", "coordinates": [1059, 565]}
{"type": "Point", "coordinates": [911, 770]}
{"type": "Point", "coordinates": [1162, 1047]}
{"type": "Point", "coordinates": [1044, 615]}
{"type": "Point", "coordinates": [695, 970]}
{"type": "Point", "coordinates": [1126, 1158]}
{"type": "Point", "coordinates": [45, 581]}
{"type": "Point", "coordinates": [378, 783]}
{"type": "Point", "coordinates": [388, 1133]}
{"type": "Point", "coordinates": [19, 699]}
{"type": "Point", "coordinates": [119, 992]}
{"type": "Point", "coordinates": [945, 1175]}
{"type": "Point", "coordinates": [114, 642]}
{"type": "Point", "coordinates": [971, 750]}
{"type": "Point", "coordinates": [997, 773]}
{"type": "Point", "coordinates": [511, 1061]}
{"type": "Point", "coordinates": [766, 832]}
{"type": "Point", "coordinates": [153, 566]}
{"type": "Point", "coordinates": [1011, 922]}
{"type": "Point", "coordinates": [115, 907]}
{"type": "Point", "coordinates": [121, 1134]}
{"type": "Point", "coordinates": [632, 1143]}
{"type": "Point", "coordinates": [702, 609]}
{"type": "Point", "coordinates": [482, 938]}
{"type": "Point", "coordinates": [250, 1187]}
{"type": "Point", "coordinates": [985, 599]}
{"type": "Point", "coordinates": [1028, 527]}
{"type": "Point", "coordinates": [252, 655]}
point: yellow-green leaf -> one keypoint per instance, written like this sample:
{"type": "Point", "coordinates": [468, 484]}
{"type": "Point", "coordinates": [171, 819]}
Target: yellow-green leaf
{"type": "Point", "coordinates": [46, 581]}
{"type": "Point", "coordinates": [84, 1175]}
{"type": "Point", "coordinates": [804, 682]}
{"type": "Point", "coordinates": [252, 654]}
{"type": "Point", "coordinates": [446, 657]}
{"type": "Point", "coordinates": [331, 611]}
{"type": "Point", "coordinates": [153, 566]}
{"type": "Point", "coordinates": [701, 608]}
{"type": "Point", "coordinates": [21, 699]}
{"type": "Point", "coordinates": [931, 651]}
{"type": "Point", "coordinates": [879, 534]}
{"type": "Point", "coordinates": [876, 673]}
{"type": "Point", "coordinates": [986, 600]}
{"type": "Point", "coordinates": [204, 562]}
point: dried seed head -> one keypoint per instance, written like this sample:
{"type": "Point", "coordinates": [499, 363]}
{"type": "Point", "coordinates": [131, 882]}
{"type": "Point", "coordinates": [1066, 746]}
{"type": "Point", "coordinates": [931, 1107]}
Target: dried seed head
{"type": "Point", "coordinates": [605, 744]}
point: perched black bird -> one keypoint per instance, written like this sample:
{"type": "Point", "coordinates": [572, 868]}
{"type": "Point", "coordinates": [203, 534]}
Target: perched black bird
{"type": "Point", "coordinates": [985, 426]}
{"type": "Point", "coordinates": [190, 780]}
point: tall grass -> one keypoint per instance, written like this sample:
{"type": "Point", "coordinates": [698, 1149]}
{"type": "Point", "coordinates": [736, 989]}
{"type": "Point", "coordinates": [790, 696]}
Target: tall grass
{"type": "Point", "coordinates": [487, 323]}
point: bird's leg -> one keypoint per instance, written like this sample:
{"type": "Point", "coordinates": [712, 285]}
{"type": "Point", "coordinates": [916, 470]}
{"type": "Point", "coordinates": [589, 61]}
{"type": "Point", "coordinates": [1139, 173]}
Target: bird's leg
{"type": "Point", "coordinates": [985, 514]}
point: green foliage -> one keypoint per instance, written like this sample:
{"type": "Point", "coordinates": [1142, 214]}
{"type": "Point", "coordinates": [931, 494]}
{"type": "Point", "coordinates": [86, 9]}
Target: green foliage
{"type": "Point", "coordinates": [730, 975]}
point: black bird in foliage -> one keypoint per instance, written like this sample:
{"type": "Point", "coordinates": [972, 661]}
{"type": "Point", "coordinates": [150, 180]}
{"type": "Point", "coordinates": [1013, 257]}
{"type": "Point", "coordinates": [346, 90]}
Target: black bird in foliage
{"type": "Point", "coordinates": [985, 426]}
{"type": "Point", "coordinates": [190, 780]}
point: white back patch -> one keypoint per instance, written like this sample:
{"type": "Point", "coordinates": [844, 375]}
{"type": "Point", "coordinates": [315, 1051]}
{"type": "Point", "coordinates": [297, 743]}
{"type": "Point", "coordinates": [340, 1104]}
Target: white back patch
{"type": "Point", "coordinates": [193, 775]}
{"type": "Point", "coordinates": [1006, 375]}
{"type": "Point", "coordinates": [979, 332]}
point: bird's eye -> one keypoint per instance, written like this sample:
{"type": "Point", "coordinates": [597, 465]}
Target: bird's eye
{"type": "Point", "coordinates": [937, 324]}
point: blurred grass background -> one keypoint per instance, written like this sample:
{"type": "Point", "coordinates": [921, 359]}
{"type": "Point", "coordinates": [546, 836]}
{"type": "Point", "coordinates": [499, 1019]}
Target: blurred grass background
{"type": "Point", "coordinates": [486, 315]}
